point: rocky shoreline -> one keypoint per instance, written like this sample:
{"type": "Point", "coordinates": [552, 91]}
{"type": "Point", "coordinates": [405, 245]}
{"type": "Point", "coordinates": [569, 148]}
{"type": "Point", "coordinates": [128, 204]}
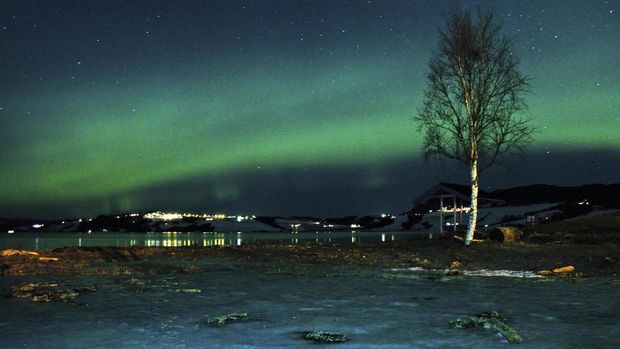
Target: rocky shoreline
{"type": "Point", "coordinates": [577, 260]}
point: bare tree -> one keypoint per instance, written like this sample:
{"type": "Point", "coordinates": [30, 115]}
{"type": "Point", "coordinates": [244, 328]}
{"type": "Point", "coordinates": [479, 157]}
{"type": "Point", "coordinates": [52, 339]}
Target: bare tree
{"type": "Point", "coordinates": [474, 91]}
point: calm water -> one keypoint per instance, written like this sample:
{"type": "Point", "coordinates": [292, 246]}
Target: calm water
{"type": "Point", "coordinates": [48, 241]}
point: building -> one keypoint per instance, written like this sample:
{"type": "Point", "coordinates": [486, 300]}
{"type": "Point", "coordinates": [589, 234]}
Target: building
{"type": "Point", "coordinates": [452, 199]}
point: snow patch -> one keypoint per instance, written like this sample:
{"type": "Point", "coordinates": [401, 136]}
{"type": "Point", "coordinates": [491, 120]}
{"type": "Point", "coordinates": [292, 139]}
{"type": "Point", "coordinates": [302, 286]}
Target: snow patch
{"type": "Point", "coordinates": [523, 274]}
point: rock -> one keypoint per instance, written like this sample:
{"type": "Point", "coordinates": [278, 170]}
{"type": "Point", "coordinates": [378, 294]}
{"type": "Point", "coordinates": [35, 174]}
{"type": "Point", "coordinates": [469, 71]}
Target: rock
{"type": "Point", "coordinates": [11, 253]}
{"type": "Point", "coordinates": [490, 320]}
{"type": "Point", "coordinates": [33, 286]}
{"type": "Point", "coordinates": [325, 337]}
{"type": "Point", "coordinates": [454, 272]}
{"type": "Point", "coordinates": [43, 292]}
{"type": "Point", "coordinates": [422, 262]}
{"type": "Point", "coordinates": [227, 318]}
{"type": "Point", "coordinates": [48, 259]}
{"type": "Point", "coordinates": [544, 272]}
{"type": "Point", "coordinates": [505, 234]}
{"type": "Point", "coordinates": [564, 270]}
{"type": "Point", "coordinates": [65, 296]}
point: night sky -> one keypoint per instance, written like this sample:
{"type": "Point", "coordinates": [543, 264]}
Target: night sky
{"type": "Point", "coordinates": [276, 107]}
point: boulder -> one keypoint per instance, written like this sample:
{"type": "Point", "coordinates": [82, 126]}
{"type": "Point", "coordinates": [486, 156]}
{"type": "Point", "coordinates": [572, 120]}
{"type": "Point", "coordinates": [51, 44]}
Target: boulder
{"type": "Point", "coordinates": [505, 234]}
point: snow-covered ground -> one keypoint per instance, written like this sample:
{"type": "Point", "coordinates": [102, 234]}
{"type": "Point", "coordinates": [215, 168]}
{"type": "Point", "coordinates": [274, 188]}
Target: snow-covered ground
{"type": "Point", "coordinates": [398, 223]}
{"type": "Point", "coordinates": [490, 216]}
{"type": "Point", "coordinates": [245, 226]}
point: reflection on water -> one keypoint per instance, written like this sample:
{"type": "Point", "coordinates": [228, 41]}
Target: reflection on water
{"type": "Point", "coordinates": [48, 241]}
{"type": "Point", "coordinates": [180, 241]}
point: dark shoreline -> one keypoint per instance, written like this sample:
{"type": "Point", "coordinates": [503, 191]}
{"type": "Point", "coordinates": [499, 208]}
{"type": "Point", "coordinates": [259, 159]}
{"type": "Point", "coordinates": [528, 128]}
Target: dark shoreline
{"type": "Point", "coordinates": [588, 260]}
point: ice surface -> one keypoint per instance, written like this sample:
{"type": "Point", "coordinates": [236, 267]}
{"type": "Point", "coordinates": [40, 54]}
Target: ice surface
{"type": "Point", "coordinates": [374, 310]}
{"type": "Point", "coordinates": [524, 274]}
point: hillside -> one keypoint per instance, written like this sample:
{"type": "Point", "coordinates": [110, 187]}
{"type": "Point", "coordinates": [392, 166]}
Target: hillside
{"type": "Point", "coordinates": [541, 203]}
{"type": "Point", "coordinates": [596, 228]}
{"type": "Point", "coordinates": [606, 195]}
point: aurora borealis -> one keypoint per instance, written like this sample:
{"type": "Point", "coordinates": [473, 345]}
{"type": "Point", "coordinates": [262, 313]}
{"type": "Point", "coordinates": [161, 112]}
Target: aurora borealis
{"type": "Point", "coordinates": [275, 107]}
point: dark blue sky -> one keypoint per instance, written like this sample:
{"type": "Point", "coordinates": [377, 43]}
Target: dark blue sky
{"type": "Point", "coordinates": [275, 107]}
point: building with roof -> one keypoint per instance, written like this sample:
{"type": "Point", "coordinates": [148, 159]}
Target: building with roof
{"type": "Point", "coordinates": [453, 199]}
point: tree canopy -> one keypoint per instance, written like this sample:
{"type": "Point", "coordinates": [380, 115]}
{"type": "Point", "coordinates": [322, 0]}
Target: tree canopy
{"type": "Point", "coordinates": [474, 89]}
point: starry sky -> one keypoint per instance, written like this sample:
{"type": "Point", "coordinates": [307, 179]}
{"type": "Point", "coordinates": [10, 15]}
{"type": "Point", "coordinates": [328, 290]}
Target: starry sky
{"type": "Point", "coordinates": [276, 107]}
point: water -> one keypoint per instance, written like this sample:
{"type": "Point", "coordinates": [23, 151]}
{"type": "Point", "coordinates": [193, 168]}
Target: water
{"type": "Point", "coordinates": [52, 240]}
{"type": "Point", "coordinates": [399, 311]}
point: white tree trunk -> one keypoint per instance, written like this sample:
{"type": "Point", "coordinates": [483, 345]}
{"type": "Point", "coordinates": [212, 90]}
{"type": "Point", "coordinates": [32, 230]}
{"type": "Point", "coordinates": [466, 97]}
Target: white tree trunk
{"type": "Point", "coordinates": [473, 212]}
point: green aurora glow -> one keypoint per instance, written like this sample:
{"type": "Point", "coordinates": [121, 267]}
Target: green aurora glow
{"type": "Point", "coordinates": [93, 130]}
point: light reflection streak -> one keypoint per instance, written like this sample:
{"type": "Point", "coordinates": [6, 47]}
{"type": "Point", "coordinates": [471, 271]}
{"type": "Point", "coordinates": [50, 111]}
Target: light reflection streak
{"type": "Point", "coordinates": [205, 239]}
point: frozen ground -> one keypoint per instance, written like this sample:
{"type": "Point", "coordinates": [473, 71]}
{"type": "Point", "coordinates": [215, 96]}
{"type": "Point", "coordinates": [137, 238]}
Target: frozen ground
{"type": "Point", "coordinates": [377, 309]}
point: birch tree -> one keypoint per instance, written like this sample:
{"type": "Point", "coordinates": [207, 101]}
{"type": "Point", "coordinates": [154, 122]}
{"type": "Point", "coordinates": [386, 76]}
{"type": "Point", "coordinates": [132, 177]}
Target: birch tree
{"type": "Point", "coordinates": [473, 99]}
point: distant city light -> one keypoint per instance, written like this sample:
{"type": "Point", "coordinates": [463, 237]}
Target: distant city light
{"type": "Point", "coordinates": [163, 216]}
{"type": "Point", "coordinates": [208, 217]}
{"type": "Point", "coordinates": [37, 226]}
